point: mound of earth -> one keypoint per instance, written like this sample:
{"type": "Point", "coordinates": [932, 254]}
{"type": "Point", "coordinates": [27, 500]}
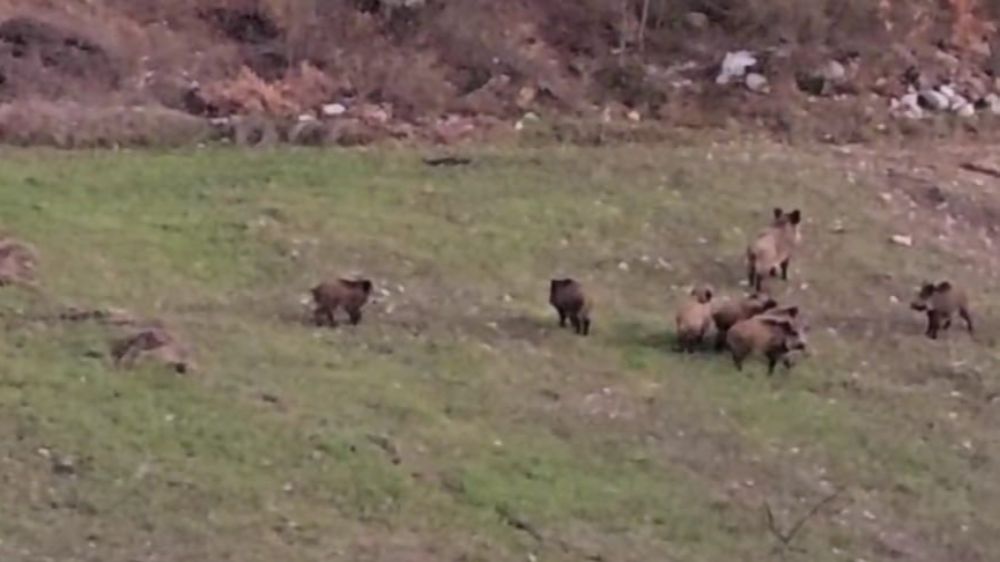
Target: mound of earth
{"type": "Point", "coordinates": [151, 344]}
{"type": "Point", "coordinates": [17, 262]}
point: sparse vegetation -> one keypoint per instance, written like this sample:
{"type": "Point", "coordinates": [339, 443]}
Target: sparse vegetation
{"type": "Point", "coordinates": [166, 393]}
{"type": "Point", "coordinates": [423, 61]}
{"type": "Point", "coordinates": [457, 421]}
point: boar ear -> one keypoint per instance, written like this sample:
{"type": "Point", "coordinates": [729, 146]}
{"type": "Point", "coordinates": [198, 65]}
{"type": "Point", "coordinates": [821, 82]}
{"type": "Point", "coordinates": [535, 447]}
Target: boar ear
{"type": "Point", "coordinates": [792, 311]}
{"type": "Point", "coordinates": [926, 290]}
{"type": "Point", "coordinates": [785, 326]}
{"type": "Point", "coordinates": [943, 287]}
{"type": "Point", "coordinates": [789, 329]}
{"type": "Point", "coordinates": [795, 217]}
{"type": "Point", "coordinates": [773, 322]}
{"type": "Point", "coordinates": [778, 212]}
{"type": "Point", "coordinates": [708, 295]}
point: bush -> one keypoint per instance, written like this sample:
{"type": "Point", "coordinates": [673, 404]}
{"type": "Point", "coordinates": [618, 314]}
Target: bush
{"type": "Point", "coordinates": [71, 125]}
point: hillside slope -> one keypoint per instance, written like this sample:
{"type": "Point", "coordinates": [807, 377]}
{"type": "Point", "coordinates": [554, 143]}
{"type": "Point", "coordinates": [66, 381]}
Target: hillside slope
{"type": "Point", "coordinates": [441, 68]}
{"type": "Point", "coordinates": [457, 422]}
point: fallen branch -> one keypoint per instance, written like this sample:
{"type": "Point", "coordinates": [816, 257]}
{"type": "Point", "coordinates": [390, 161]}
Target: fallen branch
{"type": "Point", "coordinates": [447, 161]}
{"type": "Point", "coordinates": [387, 446]}
{"type": "Point", "coordinates": [991, 170]}
{"type": "Point", "coordinates": [518, 523]}
{"type": "Point", "coordinates": [786, 537]}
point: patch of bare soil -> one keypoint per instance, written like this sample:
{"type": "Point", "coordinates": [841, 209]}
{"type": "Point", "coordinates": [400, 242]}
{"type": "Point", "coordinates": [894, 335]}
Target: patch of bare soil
{"type": "Point", "coordinates": [400, 547]}
{"type": "Point", "coordinates": [931, 197]}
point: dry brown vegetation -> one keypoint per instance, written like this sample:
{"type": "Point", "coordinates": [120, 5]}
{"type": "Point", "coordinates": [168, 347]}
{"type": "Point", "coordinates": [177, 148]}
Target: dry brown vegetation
{"type": "Point", "coordinates": [427, 59]}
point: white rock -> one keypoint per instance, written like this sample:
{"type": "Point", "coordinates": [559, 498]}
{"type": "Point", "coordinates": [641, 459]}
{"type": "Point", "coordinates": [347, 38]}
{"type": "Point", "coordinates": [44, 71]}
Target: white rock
{"type": "Point", "coordinates": [935, 100]}
{"type": "Point", "coordinates": [833, 72]}
{"type": "Point", "coordinates": [735, 65]}
{"type": "Point", "coordinates": [902, 240]}
{"type": "Point", "coordinates": [334, 109]}
{"type": "Point", "coordinates": [757, 83]}
{"type": "Point", "coordinates": [966, 110]}
{"type": "Point", "coordinates": [956, 101]}
{"type": "Point", "coordinates": [907, 106]}
{"type": "Point", "coordinates": [993, 103]}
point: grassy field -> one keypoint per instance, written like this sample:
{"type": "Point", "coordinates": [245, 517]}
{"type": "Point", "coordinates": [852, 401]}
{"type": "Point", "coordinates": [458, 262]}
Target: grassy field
{"type": "Point", "coordinates": [457, 422]}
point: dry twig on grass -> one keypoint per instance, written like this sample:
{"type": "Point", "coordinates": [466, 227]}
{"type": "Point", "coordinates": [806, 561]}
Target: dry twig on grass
{"type": "Point", "coordinates": [786, 537]}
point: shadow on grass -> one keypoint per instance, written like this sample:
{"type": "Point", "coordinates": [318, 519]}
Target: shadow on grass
{"type": "Point", "coordinates": [534, 329]}
{"type": "Point", "coordinates": [637, 335]}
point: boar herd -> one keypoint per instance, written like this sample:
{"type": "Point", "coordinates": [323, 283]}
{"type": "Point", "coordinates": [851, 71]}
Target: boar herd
{"type": "Point", "coordinates": [752, 324]}
{"type": "Point", "coordinates": [746, 326]}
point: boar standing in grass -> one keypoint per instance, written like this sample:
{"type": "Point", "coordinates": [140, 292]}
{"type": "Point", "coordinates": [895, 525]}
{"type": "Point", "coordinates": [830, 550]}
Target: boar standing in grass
{"type": "Point", "coordinates": [940, 302]}
{"type": "Point", "coordinates": [770, 254]}
{"type": "Point", "coordinates": [348, 294]}
{"type": "Point", "coordinates": [773, 336]}
{"type": "Point", "coordinates": [571, 302]}
{"type": "Point", "coordinates": [727, 313]}
{"type": "Point", "coordinates": [693, 319]}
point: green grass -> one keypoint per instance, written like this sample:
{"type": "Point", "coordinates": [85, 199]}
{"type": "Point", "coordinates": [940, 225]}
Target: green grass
{"type": "Point", "coordinates": [514, 439]}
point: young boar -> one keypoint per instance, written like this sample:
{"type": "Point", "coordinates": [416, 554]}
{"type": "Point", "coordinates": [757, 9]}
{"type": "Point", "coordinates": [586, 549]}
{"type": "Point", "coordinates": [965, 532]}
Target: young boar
{"type": "Point", "coordinates": [940, 302]}
{"type": "Point", "coordinates": [770, 254]}
{"type": "Point", "coordinates": [771, 336]}
{"type": "Point", "coordinates": [730, 311]}
{"type": "Point", "coordinates": [693, 318]}
{"type": "Point", "coordinates": [348, 294]}
{"type": "Point", "coordinates": [571, 302]}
